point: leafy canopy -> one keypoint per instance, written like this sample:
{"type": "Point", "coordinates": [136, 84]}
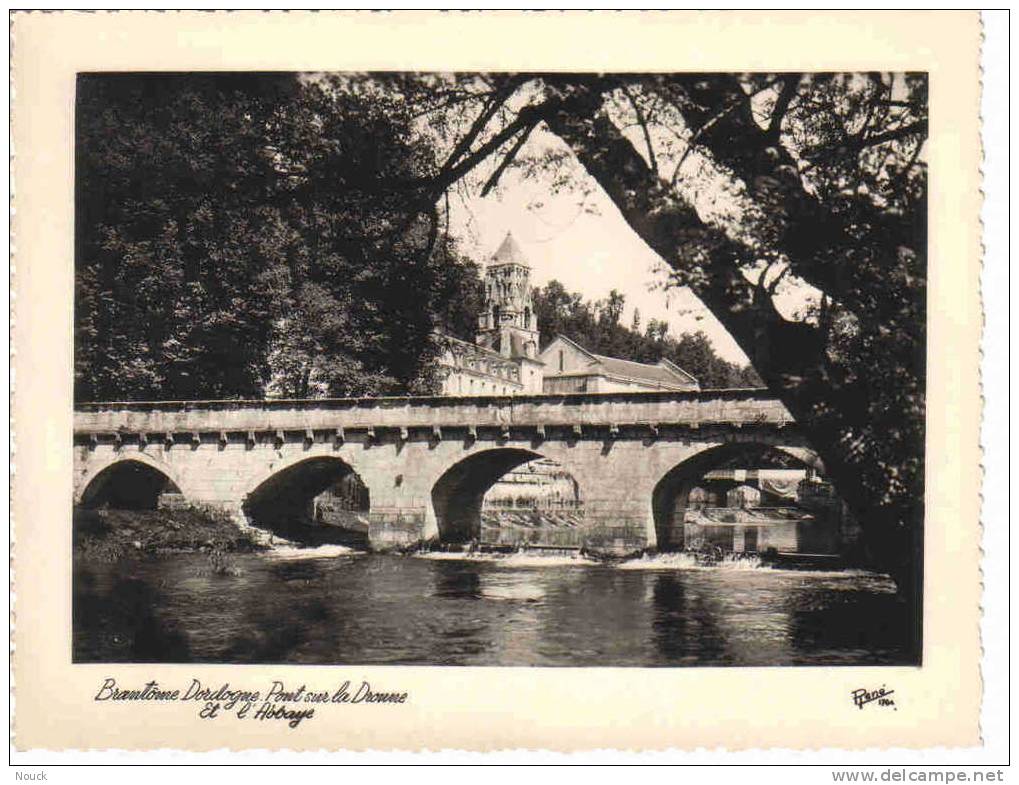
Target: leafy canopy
{"type": "Point", "coordinates": [240, 235]}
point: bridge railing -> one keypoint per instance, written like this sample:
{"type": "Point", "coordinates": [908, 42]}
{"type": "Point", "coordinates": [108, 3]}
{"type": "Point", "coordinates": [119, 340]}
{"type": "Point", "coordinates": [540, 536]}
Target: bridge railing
{"type": "Point", "coordinates": [575, 411]}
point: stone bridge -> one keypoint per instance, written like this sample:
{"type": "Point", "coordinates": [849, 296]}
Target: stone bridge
{"type": "Point", "coordinates": [428, 461]}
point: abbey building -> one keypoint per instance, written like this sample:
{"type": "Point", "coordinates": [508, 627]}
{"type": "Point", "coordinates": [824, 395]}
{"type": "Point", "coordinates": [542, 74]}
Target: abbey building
{"type": "Point", "coordinates": [506, 358]}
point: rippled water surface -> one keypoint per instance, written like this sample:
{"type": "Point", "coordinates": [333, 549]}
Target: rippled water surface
{"type": "Point", "coordinates": [331, 605]}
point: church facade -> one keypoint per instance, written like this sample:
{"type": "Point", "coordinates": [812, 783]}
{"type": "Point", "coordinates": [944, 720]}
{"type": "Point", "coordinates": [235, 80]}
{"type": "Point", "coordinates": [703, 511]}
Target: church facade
{"type": "Point", "coordinates": [506, 358]}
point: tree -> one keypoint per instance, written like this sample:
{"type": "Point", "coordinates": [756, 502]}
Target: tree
{"type": "Point", "coordinates": [611, 309]}
{"type": "Point", "coordinates": [159, 177]}
{"type": "Point", "coordinates": [816, 181]}
{"type": "Point", "coordinates": [238, 235]}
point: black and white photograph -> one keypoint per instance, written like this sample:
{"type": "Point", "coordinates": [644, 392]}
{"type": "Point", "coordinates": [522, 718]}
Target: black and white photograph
{"type": "Point", "coordinates": [508, 387]}
{"type": "Point", "coordinates": [500, 368]}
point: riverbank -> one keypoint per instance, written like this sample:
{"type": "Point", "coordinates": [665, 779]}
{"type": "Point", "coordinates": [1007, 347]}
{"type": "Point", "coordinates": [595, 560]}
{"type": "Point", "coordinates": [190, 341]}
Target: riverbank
{"type": "Point", "coordinates": [111, 535]}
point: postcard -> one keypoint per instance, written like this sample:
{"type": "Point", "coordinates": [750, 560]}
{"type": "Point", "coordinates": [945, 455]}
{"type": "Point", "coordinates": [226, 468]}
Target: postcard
{"type": "Point", "coordinates": [496, 380]}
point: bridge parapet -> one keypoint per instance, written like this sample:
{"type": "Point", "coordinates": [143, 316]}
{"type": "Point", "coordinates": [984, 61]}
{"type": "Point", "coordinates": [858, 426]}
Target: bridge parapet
{"type": "Point", "coordinates": [732, 408]}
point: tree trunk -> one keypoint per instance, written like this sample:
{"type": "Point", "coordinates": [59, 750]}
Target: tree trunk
{"type": "Point", "coordinates": [789, 356]}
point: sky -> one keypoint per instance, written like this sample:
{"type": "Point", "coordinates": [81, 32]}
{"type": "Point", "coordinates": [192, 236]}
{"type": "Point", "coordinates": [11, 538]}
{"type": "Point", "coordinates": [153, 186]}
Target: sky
{"type": "Point", "coordinates": [588, 247]}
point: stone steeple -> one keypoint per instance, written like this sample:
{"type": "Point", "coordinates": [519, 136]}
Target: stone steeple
{"type": "Point", "coordinates": [508, 324]}
{"type": "Point", "coordinates": [509, 253]}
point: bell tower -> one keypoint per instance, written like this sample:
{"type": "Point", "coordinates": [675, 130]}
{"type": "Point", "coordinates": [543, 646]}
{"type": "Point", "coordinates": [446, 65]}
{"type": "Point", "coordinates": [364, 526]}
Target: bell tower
{"type": "Point", "coordinates": [508, 324]}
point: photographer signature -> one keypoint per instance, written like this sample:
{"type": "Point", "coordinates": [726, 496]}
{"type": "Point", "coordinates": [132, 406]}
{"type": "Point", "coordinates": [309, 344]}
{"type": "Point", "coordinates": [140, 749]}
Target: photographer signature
{"type": "Point", "coordinates": [862, 697]}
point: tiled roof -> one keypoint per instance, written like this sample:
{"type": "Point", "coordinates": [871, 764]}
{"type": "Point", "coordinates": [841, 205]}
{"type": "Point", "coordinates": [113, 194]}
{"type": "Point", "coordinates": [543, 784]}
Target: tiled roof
{"type": "Point", "coordinates": [657, 374]}
{"type": "Point", "coordinates": [470, 348]}
{"type": "Point", "coordinates": [664, 373]}
{"type": "Point", "coordinates": [509, 253]}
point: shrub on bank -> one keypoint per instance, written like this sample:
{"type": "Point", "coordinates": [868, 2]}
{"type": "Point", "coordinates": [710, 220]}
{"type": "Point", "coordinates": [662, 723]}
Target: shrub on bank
{"type": "Point", "coordinates": [109, 535]}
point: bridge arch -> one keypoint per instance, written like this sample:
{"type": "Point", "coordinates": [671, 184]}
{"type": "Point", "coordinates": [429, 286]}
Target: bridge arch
{"type": "Point", "coordinates": [306, 490]}
{"type": "Point", "coordinates": [458, 494]}
{"type": "Point", "coordinates": [128, 482]}
{"type": "Point", "coordinates": [682, 485]}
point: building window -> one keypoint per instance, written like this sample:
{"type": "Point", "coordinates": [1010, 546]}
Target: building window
{"type": "Point", "coordinates": [496, 315]}
{"type": "Point", "coordinates": [560, 361]}
{"type": "Point", "coordinates": [527, 317]}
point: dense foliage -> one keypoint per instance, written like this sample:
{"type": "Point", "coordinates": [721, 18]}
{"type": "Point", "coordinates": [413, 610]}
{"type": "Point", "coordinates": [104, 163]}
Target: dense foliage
{"type": "Point", "coordinates": [598, 327]}
{"type": "Point", "coordinates": [239, 236]}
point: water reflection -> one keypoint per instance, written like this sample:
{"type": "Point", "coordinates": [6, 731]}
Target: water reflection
{"type": "Point", "coordinates": [835, 625]}
{"type": "Point", "coordinates": [457, 580]}
{"type": "Point", "coordinates": [684, 632]}
{"type": "Point", "coordinates": [389, 609]}
{"type": "Point", "coordinates": [118, 619]}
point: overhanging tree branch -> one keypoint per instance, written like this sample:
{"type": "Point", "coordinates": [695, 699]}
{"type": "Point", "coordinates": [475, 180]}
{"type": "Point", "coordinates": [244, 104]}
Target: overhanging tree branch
{"type": "Point", "coordinates": [673, 229]}
{"type": "Point", "coordinates": [508, 159]}
{"type": "Point", "coordinates": [495, 102]}
{"type": "Point", "coordinates": [813, 236]}
{"type": "Point", "coordinates": [642, 122]}
{"type": "Point", "coordinates": [790, 87]}
{"type": "Point", "coordinates": [918, 128]}
{"type": "Point", "coordinates": [529, 116]}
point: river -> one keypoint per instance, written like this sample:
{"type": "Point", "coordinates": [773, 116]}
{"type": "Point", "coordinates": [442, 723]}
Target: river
{"type": "Point", "coordinates": [331, 605]}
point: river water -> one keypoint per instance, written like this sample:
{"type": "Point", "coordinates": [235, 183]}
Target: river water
{"type": "Point", "coordinates": [331, 605]}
